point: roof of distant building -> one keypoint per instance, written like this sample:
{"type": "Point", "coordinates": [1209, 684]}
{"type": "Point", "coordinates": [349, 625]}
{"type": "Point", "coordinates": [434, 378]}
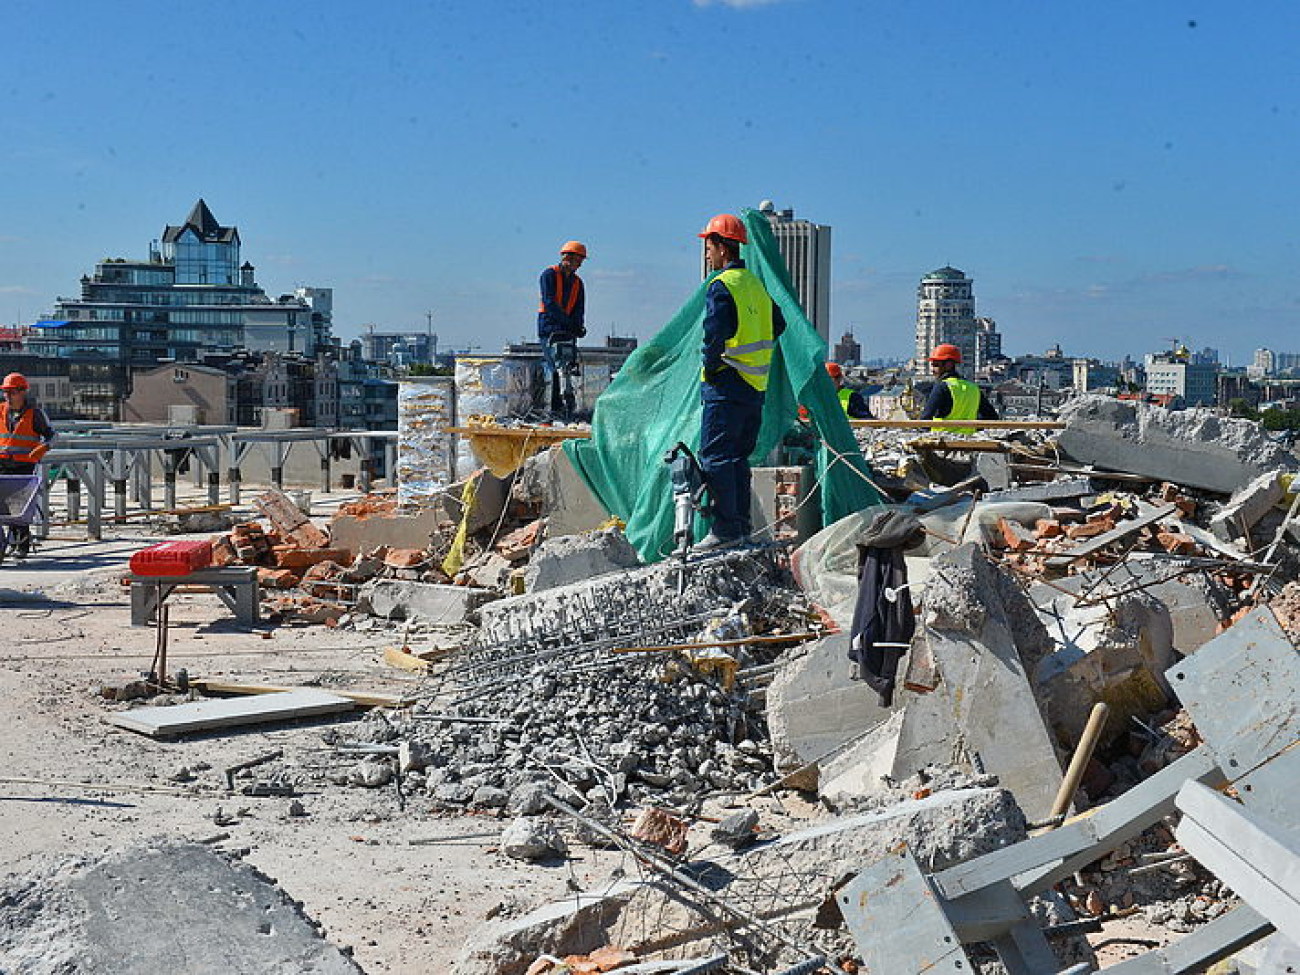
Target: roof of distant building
{"type": "Point", "coordinates": [945, 273]}
{"type": "Point", "coordinates": [204, 224]}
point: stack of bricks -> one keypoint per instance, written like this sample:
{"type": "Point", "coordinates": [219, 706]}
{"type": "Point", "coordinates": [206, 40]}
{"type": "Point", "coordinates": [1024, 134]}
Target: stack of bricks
{"type": "Point", "coordinates": [788, 489]}
{"type": "Point", "coordinates": [251, 544]}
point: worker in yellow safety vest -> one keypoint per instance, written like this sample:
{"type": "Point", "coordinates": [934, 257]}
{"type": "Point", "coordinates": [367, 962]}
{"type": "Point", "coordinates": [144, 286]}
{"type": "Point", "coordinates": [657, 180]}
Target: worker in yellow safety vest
{"type": "Point", "coordinates": [741, 326]}
{"type": "Point", "coordinates": [954, 398]}
{"type": "Point", "coordinates": [852, 402]}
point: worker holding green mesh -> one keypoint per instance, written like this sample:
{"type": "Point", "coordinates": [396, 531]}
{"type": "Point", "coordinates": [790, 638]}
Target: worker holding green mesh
{"type": "Point", "coordinates": [741, 325]}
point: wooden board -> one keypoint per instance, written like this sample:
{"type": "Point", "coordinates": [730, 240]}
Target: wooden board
{"type": "Point", "coordinates": [963, 424]}
{"type": "Point", "coordinates": [181, 719]}
{"type": "Point", "coordinates": [1122, 530]}
{"type": "Point", "coordinates": [365, 699]}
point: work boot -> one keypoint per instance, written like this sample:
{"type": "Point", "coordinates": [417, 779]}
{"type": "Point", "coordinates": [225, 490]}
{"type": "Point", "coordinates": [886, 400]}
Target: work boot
{"type": "Point", "coordinates": [714, 543]}
{"type": "Point", "coordinates": [23, 544]}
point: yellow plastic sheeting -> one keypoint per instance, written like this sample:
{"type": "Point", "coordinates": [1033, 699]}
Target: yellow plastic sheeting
{"type": "Point", "coordinates": [468, 497]}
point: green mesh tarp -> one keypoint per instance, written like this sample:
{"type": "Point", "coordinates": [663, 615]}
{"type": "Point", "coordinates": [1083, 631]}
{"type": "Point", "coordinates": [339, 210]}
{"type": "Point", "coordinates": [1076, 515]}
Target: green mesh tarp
{"type": "Point", "coordinates": [654, 402]}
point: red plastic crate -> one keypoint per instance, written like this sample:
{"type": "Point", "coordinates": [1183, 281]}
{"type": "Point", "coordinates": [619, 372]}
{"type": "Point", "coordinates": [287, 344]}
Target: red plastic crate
{"type": "Point", "coordinates": [172, 558]}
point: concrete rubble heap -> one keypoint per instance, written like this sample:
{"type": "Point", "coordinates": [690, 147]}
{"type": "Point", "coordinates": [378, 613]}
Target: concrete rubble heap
{"type": "Point", "coordinates": [693, 735]}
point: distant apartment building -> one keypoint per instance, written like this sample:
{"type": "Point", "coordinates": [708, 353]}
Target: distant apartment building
{"type": "Point", "coordinates": [50, 387]}
{"type": "Point", "coordinates": [190, 295]}
{"type": "Point", "coordinates": [945, 312]}
{"type": "Point", "coordinates": [1090, 374]}
{"type": "Point", "coordinates": [1052, 370]}
{"type": "Point", "coordinates": [847, 351]}
{"type": "Point", "coordinates": [988, 344]}
{"type": "Point", "coordinates": [806, 247]}
{"type": "Point", "coordinates": [1269, 363]}
{"type": "Point", "coordinates": [1173, 374]}
{"type": "Point", "coordinates": [399, 349]}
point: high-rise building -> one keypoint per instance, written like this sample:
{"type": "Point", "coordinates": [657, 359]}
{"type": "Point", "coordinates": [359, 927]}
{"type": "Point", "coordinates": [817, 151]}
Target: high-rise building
{"type": "Point", "coordinates": [988, 343]}
{"type": "Point", "coordinates": [847, 351]}
{"type": "Point", "coordinates": [945, 313]}
{"type": "Point", "coordinates": [806, 247]}
{"type": "Point", "coordinates": [190, 295]}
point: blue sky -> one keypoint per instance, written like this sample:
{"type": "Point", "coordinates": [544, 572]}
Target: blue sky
{"type": "Point", "coordinates": [1112, 175]}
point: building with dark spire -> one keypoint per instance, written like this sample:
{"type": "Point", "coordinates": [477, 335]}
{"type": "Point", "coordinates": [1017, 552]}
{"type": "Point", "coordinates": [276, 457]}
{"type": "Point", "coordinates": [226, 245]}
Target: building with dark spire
{"type": "Point", "coordinates": [190, 296]}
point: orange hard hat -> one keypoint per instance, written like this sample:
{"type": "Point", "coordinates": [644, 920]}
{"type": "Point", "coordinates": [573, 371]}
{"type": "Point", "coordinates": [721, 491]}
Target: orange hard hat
{"type": "Point", "coordinates": [946, 353]}
{"type": "Point", "coordinates": [834, 370]}
{"type": "Point", "coordinates": [726, 225]}
{"type": "Point", "coordinates": [15, 380]}
{"type": "Point", "coordinates": [574, 247]}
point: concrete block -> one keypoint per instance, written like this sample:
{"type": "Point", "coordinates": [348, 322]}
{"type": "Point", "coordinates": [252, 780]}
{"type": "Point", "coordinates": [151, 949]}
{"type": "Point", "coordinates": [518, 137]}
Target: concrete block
{"type": "Point", "coordinates": [985, 640]}
{"type": "Point", "coordinates": [490, 499]}
{"type": "Point", "coordinates": [813, 706]}
{"type": "Point", "coordinates": [426, 601]}
{"type": "Point", "coordinates": [1248, 505]}
{"type": "Point", "coordinates": [178, 908]}
{"type": "Point", "coordinates": [860, 770]}
{"type": "Point", "coordinates": [568, 505]}
{"type": "Point", "coordinates": [1195, 447]}
{"type": "Point", "coordinates": [1114, 652]}
{"type": "Point", "coordinates": [573, 558]}
{"type": "Point", "coordinates": [394, 531]}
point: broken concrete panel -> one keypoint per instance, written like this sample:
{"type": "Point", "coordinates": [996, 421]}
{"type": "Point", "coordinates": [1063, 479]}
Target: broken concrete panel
{"type": "Point", "coordinates": [861, 769]}
{"type": "Point", "coordinates": [1195, 447]}
{"type": "Point", "coordinates": [568, 505]}
{"type": "Point", "coordinates": [575, 925]}
{"type": "Point", "coordinates": [1113, 652]}
{"type": "Point", "coordinates": [1197, 604]}
{"type": "Point", "coordinates": [985, 639]}
{"type": "Point", "coordinates": [1248, 505]}
{"type": "Point", "coordinates": [995, 469]}
{"type": "Point", "coordinates": [181, 908]}
{"type": "Point", "coordinates": [393, 531]}
{"type": "Point", "coordinates": [567, 559]}
{"type": "Point", "coordinates": [774, 880]}
{"type": "Point", "coordinates": [1061, 489]}
{"type": "Point", "coordinates": [179, 719]}
{"type": "Point", "coordinates": [427, 601]}
{"type": "Point", "coordinates": [813, 707]}
{"type": "Point", "coordinates": [491, 494]}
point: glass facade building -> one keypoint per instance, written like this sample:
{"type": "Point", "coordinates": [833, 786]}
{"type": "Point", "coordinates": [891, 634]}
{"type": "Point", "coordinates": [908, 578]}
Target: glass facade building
{"type": "Point", "coordinates": [190, 296]}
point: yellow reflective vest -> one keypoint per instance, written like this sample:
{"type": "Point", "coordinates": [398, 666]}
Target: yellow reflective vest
{"type": "Point", "coordinates": [965, 403]}
{"type": "Point", "coordinates": [749, 351]}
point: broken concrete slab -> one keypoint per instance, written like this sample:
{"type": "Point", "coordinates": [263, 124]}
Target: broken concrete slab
{"type": "Point", "coordinates": [490, 496]}
{"type": "Point", "coordinates": [1198, 605]}
{"type": "Point", "coordinates": [985, 640]}
{"type": "Point", "coordinates": [1195, 447]}
{"type": "Point", "coordinates": [813, 707]}
{"type": "Point", "coordinates": [1113, 651]}
{"type": "Point", "coordinates": [776, 880]}
{"type": "Point", "coordinates": [178, 908]}
{"type": "Point", "coordinates": [1062, 489]}
{"type": "Point", "coordinates": [429, 602]}
{"type": "Point", "coordinates": [568, 504]}
{"type": "Point", "coordinates": [567, 559]}
{"type": "Point", "coordinates": [1247, 506]}
{"type": "Point", "coordinates": [358, 534]}
{"type": "Point", "coordinates": [179, 719]}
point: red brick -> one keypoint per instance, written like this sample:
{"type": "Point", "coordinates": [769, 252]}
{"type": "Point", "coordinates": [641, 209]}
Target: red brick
{"type": "Point", "coordinates": [223, 551]}
{"type": "Point", "coordinates": [1048, 528]}
{"type": "Point", "coordinates": [276, 578]}
{"type": "Point", "coordinates": [405, 558]}
{"type": "Point", "coordinates": [1089, 529]}
{"type": "Point", "coordinates": [287, 557]}
{"type": "Point", "coordinates": [1176, 543]}
{"type": "Point", "coordinates": [1014, 537]}
{"type": "Point", "coordinates": [661, 828]}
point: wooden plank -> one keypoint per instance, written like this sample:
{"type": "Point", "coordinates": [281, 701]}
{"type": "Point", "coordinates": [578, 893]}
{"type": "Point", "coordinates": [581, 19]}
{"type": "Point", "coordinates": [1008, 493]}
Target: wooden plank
{"type": "Point", "coordinates": [1112, 536]}
{"type": "Point", "coordinates": [962, 424]}
{"type": "Point", "coordinates": [363, 698]}
{"type": "Point", "coordinates": [181, 719]}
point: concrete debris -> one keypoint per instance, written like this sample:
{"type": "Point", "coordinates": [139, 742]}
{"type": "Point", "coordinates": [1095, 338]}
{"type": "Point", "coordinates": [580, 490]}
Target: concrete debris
{"type": "Point", "coordinates": [1196, 447]}
{"type": "Point", "coordinates": [568, 559]}
{"type": "Point", "coordinates": [172, 908]}
{"type": "Point", "coordinates": [426, 601]}
{"type": "Point", "coordinates": [529, 838]}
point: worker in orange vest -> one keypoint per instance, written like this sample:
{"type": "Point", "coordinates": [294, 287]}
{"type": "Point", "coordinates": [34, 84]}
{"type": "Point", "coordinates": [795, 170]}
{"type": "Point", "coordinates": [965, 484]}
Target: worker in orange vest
{"type": "Point", "coordinates": [560, 323]}
{"type": "Point", "coordinates": [25, 435]}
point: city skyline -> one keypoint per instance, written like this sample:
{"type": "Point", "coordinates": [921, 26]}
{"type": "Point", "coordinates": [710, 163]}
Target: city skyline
{"type": "Point", "coordinates": [1109, 177]}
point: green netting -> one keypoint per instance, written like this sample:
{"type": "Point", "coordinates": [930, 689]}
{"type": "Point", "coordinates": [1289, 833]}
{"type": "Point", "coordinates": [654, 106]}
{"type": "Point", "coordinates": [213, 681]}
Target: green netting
{"type": "Point", "coordinates": [654, 401]}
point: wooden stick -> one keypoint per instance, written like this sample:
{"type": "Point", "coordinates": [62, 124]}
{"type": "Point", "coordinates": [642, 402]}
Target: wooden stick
{"type": "Point", "coordinates": [1082, 754]}
{"type": "Point", "coordinates": [961, 424]}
